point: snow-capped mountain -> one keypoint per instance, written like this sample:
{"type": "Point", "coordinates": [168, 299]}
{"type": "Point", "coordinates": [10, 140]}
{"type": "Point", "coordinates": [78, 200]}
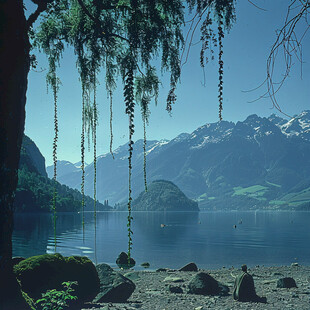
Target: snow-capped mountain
{"type": "Point", "coordinates": [260, 162]}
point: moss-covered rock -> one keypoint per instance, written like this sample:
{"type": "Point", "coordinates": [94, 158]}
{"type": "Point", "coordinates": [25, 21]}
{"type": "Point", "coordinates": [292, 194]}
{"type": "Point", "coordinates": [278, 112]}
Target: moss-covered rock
{"type": "Point", "coordinates": [38, 274]}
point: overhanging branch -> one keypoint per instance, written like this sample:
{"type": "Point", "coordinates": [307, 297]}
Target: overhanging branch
{"type": "Point", "coordinates": [42, 5]}
{"type": "Point", "coordinates": [98, 23]}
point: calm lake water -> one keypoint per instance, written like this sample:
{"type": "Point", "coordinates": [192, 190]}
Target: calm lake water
{"type": "Point", "coordinates": [207, 238]}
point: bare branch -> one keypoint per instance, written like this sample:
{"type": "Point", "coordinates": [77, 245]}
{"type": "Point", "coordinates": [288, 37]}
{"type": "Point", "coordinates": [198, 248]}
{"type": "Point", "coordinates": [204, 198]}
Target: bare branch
{"type": "Point", "coordinates": [257, 6]}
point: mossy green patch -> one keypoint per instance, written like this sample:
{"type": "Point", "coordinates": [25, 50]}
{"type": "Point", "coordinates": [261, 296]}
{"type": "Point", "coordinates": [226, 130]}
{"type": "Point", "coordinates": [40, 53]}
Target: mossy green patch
{"type": "Point", "coordinates": [38, 274]}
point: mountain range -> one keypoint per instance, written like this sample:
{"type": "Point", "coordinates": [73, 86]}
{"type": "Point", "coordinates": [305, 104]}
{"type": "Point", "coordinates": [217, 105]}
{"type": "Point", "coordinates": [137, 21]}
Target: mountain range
{"type": "Point", "coordinates": [258, 163]}
{"type": "Point", "coordinates": [35, 190]}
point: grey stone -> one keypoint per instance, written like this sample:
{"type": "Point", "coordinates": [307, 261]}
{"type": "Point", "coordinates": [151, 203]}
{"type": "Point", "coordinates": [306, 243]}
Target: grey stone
{"type": "Point", "coordinates": [175, 289]}
{"type": "Point", "coordinates": [145, 265]}
{"type": "Point", "coordinates": [287, 282]}
{"type": "Point", "coordinates": [189, 267]}
{"type": "Point", "coordinates": [114, 287]}
{"type": "Point", "coordinates": [133, 276]}
{"type": "Point", "coordinates": [173, 279]}
{"type": "Point", "coordinates": [162, 270]}
{"type": "Point", "coordinates": [203, 284]}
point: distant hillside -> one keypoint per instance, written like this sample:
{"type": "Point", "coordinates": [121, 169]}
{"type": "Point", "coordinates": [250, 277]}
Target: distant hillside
{"type": "Point", "coordinates": [163, 196]}
{"type": "Point", "coordinates": [35, 190]}
{"type": "Point", "coordinates": [255, 164]}
{"type": "Point", "coordinates": [31, 157]}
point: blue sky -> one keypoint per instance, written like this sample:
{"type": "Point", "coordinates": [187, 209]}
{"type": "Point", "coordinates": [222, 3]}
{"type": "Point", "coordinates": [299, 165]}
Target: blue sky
{"type": "Point", "coordinates": [246, 49]}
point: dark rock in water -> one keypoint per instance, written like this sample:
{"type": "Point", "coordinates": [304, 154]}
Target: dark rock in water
{"type": "Point", "coordinates": [145, 265]}
{"type": "Point", "coordinates": [175, 289]}
{"type": "Point", "coordinates": [38, 274]}
{"type": "Point", "coordinates": [114, 287]}
{"type": "Point", "coordinates": [122, 261]}
{"type": "Point", "coordinates": [16, 260]}
{"type": "Point", "coordinates": [189, 267]}
{"type": "Point", "coordinates": [286, 283]}
{"type": "Point", "coordinates": [162, 270]}
{"type": "Point", "coordinates": [203, 284]}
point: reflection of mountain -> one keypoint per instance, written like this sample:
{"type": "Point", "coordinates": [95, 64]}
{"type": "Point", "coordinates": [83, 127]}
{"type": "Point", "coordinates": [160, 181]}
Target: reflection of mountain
{"type": "Point", "coordinates": [149, 226]}
{"type": "Point", "coordinates": [257, 163]}
{"type": "Point", "coordinates": [34, 232]}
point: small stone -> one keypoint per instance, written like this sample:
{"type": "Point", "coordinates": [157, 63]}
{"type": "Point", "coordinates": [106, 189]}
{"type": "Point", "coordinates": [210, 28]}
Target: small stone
{"type": "Point", "coordinates": [162, 270]}
{"type": "Point", "coordinates": [145, 265]}
{"type": "Point", "coordinates": [173, 279]}
{"type": "Point", "coordinates": [294, 264]}
{"type": "Point", "coordinates": [175, 289]}
{"type": "Point", "coordinates": [133, 276]}
{"type": "Point", "coordinates": [199, 308]}
{"type": "Point", "coordinates": [286, 283]}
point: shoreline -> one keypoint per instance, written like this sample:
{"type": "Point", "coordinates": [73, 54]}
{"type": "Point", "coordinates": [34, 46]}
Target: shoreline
{"type": "Point", "coordinates": [152, 291]}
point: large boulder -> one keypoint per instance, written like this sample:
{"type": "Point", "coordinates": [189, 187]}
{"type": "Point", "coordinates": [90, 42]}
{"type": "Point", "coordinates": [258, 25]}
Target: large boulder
{"type": "Point", "coordinates": [38, 274]}
{"type": "Point", "coordinates": [122, 261]}
{"type": "Point", "coordinates": [286, 283]}
{"type": "Point", "coordinates": [114, 287]}
{"type": "Point", "coordinates": [204, 284]}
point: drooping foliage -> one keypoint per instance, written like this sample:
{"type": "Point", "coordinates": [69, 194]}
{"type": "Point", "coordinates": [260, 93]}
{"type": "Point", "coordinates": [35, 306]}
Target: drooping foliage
{"type": "Point", "coordinates": [122, 37]}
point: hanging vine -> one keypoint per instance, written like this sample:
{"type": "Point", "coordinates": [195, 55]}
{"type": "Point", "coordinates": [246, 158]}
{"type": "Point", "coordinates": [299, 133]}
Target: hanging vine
{"type": "Point", "coordinates": [83, 160]}
{"type": "Point", "coordinates": [111, 123]}
{"type": "Point", "coordinates": [95, 150]}
{"type": "Point", "coordinates": [221, 65]}
{"type": "Point", "coordinates": [130, 105]}
{"type": "Point", "coordinates": [144, 153]}
{"type": "Point", "coordinates": [55, 88]}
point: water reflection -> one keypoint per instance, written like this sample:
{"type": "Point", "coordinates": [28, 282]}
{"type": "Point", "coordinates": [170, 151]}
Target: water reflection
{"type": "Point", "coordinates": [208, 238]}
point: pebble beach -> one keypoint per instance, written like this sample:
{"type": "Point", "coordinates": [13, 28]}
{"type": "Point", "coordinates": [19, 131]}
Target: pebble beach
{"type": "Point", "coordinates": [153, 290]}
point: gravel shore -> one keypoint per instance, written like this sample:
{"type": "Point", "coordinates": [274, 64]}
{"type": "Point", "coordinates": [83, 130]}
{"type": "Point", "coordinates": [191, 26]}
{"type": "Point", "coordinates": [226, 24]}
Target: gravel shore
{"type": "Point", "coordinates": [152, 291]}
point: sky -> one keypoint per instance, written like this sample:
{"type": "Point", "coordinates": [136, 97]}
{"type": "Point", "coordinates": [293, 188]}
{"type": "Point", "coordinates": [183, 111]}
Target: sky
{"type": "Point", "coordinates": [246, 48]}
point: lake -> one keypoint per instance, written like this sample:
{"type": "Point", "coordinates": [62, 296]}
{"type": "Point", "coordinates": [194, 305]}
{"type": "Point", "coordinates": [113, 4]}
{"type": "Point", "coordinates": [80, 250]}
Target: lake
{"type": "Point", "coordinates": [209, 239]}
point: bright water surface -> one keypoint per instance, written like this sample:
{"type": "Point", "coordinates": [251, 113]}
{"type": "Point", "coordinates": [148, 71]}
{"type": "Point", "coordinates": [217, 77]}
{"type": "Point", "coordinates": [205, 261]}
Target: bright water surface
{"type": "Point", "coordinates": [207, 238]}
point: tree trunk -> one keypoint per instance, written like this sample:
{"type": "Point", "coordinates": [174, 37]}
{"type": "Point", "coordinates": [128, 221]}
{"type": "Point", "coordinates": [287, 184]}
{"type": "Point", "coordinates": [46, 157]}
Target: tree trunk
{"type": "Point", "coordinates": [14, 68]}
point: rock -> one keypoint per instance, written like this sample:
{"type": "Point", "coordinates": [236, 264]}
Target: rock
{"type": "Point", "coordinates": [114, 287]}
{"type": "Point", "coordinates": [122, 261]}
{"type": "Point", "coordinates": [189, 267]}
{"type": "Point", "coordinates": [16, 260]}
{"type": "Point", "coordinates": [132, 275]}
{"type": "Point", "coordinates": [175, 289]}
{"type": "Point", "coordinates": [162, 270]}
{"type": "Point", "coordinates": [286, 283]}
{"type": "Point", "coordinates": [294, 264]}
{"type": "Point", "coordinates": [199, 308]}
{"type": "Point", "coordinates": [203, 284]}
{"type": "Point", "coordinates": [145, 265]}
{"type": "Point", "coordinates": [38, 274]}
{"type": "Point", "coordinates": [173, 279]}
